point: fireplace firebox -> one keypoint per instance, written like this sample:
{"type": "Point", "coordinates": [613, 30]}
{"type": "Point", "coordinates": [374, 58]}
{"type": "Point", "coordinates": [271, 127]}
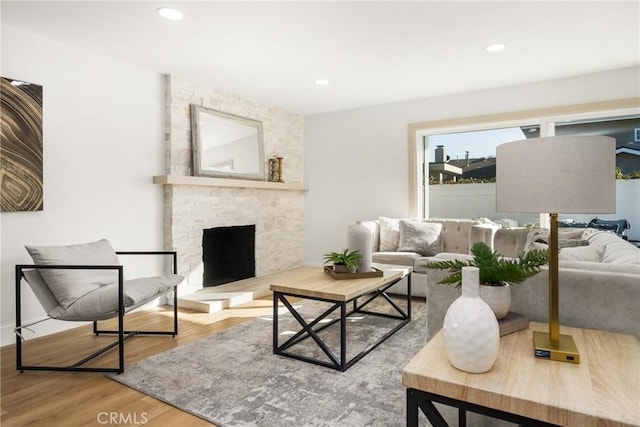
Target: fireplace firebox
{"type": "Point", "coordinates": [228, 254]}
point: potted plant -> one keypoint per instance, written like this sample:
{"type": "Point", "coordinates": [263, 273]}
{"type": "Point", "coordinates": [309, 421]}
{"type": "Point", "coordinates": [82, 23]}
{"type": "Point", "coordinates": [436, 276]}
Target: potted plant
{"type": "Point", "coordinates": [496, 273]}
{"type": "Point", "coordinates": [343, 262]}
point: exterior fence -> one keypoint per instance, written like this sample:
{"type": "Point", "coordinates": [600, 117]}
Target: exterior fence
{"type": "Point", "coordinates": [479, 200]}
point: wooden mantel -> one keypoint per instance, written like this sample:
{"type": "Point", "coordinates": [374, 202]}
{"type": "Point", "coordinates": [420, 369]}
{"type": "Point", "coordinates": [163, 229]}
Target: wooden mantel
{"type": "Point", "coordinates": [224, 182]}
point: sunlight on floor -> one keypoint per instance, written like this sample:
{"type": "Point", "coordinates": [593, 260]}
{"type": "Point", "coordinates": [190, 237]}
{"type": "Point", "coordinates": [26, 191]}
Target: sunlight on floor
{"type": "Point", "coordinates": [262, 308]}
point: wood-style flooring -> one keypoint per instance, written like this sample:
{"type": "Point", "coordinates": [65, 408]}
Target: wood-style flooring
{"type": "Point", "coordinates": [51, 399]}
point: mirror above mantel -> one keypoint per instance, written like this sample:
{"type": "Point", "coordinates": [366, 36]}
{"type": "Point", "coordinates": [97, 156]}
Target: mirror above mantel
{"type": "Point", "coordinates": [225, 145]}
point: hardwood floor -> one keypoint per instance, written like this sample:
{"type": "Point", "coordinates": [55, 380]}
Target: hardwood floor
{"type": "Point", "coordinates": [91, 399]}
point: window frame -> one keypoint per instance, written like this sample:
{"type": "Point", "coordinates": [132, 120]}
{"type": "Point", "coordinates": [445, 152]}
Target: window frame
{"type": "Point", "coordinates": [545, 118]}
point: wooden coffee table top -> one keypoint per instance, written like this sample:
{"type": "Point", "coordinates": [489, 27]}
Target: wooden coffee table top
{"type": "Point", "coordinates": [604, 389]}
{"type": "Point", "coordinates": [314, 282]}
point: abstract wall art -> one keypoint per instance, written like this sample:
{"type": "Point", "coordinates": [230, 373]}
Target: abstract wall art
{"type": "Point", "coordinates": [21, 184]}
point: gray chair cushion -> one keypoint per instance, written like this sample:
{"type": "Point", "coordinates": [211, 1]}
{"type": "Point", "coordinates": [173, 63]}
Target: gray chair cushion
{"type": "Point", "coordinates": [69, 285]}
{"type": "Point", "coordinates": [102, 303]}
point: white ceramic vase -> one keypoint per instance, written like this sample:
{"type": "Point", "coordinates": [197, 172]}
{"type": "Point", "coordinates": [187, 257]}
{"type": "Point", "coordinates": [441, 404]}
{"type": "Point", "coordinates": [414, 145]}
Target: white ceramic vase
{"type": "Point", "coordinates": [359, 239]}
{"type": "Point", "coordinates": [498, 298]}
{"type": "Point", "coordinates": [471, 333]}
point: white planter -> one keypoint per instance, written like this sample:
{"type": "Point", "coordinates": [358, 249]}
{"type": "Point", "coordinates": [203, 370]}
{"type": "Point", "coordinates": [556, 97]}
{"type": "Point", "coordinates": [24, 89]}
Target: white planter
{"type": "Point", "coordinates": [498, 298]}
{"type": "Point", "coordinates": [471, 333]}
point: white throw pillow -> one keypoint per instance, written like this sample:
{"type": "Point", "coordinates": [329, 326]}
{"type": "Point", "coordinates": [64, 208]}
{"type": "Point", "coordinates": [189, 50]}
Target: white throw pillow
{"type": "Point", "coordinates": [69, 285]}
{"type": "Point", "coordinates": [420, 237]}
{"type": "Point", "coordinates": [389, 234]}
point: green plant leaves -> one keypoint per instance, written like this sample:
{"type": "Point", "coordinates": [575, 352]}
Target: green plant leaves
{"type": "Point", "coordinates": [350, 259]}
{"type": "Point", "coordinates": [493, 268]}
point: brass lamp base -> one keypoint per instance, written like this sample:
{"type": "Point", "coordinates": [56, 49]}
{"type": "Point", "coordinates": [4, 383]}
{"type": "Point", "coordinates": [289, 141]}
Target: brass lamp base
{"type": "Point", "coordinates": [565, 351]}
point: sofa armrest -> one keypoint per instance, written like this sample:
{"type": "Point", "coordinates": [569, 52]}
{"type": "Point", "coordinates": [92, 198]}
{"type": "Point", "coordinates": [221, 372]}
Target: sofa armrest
{"type": "Point", "coordinates": [604, 299]}
{"type": "Point", "coordinates": [589, 298]}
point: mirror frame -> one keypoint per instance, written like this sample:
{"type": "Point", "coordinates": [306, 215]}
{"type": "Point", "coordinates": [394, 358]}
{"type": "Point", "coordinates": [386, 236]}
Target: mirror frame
{"type": "Point", "coordinates": [197, 149]}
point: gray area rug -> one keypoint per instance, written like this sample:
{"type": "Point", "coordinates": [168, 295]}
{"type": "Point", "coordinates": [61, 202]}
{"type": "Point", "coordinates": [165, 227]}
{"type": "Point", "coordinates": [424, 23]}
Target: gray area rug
{"type": "Point", "coordinates": [232, 378]}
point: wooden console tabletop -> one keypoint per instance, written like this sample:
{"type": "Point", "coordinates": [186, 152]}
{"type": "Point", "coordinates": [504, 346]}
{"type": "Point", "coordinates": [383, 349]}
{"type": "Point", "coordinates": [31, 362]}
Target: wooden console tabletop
{"type": "Point", "coordinates": [603, 390]}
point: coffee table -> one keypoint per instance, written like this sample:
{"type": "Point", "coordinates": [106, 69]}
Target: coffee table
{"type": "Point", "coordinates": [314, 284]}
{"type": "Point", "coordinates": [603, 390]}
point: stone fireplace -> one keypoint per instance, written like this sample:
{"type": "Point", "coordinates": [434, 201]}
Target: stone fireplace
{"type": "Point", "coordinates": [277, 212]}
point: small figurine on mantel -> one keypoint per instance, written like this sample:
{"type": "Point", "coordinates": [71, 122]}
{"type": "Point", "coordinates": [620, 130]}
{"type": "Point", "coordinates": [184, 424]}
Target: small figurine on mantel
{"type": "Point", "coordinates": [275, 169]}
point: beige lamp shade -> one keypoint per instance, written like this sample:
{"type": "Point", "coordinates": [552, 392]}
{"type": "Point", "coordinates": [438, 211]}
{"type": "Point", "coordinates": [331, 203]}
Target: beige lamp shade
{"type": "Point", "coordinates": [559, 174]}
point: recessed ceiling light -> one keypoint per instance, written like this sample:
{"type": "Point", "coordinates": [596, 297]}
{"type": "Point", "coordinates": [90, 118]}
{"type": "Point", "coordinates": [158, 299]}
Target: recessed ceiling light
{"type": "Point", "coordinates": [170, 13]}
{"type": "Point", "coordinates": [496, 47]}
{"type": "Point", "coordinates": [322, 82]}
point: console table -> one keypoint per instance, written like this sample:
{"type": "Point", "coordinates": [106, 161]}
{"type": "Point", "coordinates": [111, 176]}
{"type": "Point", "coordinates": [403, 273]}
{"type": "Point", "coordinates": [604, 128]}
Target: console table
{"type": "Point", "coordinates": [604, 389]}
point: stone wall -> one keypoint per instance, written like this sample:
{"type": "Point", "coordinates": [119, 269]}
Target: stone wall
{"type": "Point", "coordinates": [277, 214]}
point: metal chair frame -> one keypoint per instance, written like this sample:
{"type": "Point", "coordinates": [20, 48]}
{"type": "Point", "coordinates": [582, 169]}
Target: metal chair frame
{"type": "Point", "coordinates": [121, 332]}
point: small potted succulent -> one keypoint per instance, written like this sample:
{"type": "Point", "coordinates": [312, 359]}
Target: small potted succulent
{"type": "Point", "coordinates": [343, 262]}
{"type": "Point", "coordinates": [496, 273]}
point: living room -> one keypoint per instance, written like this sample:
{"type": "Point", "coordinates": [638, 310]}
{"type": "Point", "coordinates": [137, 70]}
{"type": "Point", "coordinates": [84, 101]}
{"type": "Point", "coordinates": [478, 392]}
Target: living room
{"type": "Point", "coordinates": [105, 136]}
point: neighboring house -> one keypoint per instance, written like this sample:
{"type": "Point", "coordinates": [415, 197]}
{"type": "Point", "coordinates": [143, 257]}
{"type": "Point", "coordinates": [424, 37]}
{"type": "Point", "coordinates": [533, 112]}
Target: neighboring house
{"type": "Point", "coordinates": [628, 158]}
{"type": "Point", "coordinates": [484, 168]}
{"type": "Point", "coordinates": [481, 168]}
{"type": "Point", "coordinates": [446, 170]}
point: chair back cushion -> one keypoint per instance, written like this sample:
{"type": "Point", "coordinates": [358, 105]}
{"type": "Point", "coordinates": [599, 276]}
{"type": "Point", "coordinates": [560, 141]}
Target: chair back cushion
{"type": "Point", "coordinates": [69, 285]}
{"type": "Point", "coordinates": [41, 290]}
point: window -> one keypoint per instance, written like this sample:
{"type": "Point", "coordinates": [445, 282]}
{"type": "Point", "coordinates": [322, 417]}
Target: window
{"type": "Point", "coordinates": [462, 151]}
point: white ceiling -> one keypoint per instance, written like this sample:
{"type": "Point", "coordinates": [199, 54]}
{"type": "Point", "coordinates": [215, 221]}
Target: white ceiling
{"type": "Point", "coordinates": [372, 52]}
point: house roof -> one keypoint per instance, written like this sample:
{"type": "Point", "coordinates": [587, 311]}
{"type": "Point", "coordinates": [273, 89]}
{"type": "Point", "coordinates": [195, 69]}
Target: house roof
{"type": "Point", "coordinates": [629, 150]}
{"type": "Point", "coordinates": [371, 52]}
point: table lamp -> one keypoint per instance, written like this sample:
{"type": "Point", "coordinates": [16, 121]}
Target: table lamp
{"type": "Point", "coordinates": [559, 174]}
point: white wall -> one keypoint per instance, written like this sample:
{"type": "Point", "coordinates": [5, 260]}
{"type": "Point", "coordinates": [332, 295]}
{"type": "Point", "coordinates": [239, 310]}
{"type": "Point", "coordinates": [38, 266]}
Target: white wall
{"type": "Point", "coordinates": [356, 161]}
{"type": "Point", "coordinates": [103, 141]}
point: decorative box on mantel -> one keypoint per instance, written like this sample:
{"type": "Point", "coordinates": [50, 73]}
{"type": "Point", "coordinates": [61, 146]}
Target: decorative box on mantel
{"type": "Point", "coordinates": [224, 182]}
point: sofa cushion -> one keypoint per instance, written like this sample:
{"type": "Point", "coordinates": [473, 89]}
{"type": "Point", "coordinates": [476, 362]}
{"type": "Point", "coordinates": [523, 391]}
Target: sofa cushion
{"type": "Point", "coordinates": [616, 250]}
{"type": "Point", "coordinates": [581, 253]}
{"type": "Point", "coordinates": [420, 237]}
{"type": "Point", "coordinates": [68, 285]}
{"type": "Point", "coordinates": [455, 234]}
{"type": "Point", "coordinates": [510, 242]}
{"type": "Point", "coordinates": [394, 257]}
{"type": "Point", "coordinates": [389, 234]}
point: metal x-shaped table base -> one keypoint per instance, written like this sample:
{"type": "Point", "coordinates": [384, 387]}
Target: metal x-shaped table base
{"type": "Point", "coordinates": [309, 329]}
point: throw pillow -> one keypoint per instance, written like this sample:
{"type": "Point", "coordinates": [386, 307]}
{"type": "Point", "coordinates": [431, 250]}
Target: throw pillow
{"type": "Point", "coordinates": [539, 239]}
{"type": "Point", "coordinates": [420, 237]}
{"type": "Point", "coordinates": [389, 234]}
{"type": "Point", "coordinates": [69, 285]}
{"type": "Point", "coordinates": [533, 240]}
{"type": "Point", "coordinates": [581, 253]}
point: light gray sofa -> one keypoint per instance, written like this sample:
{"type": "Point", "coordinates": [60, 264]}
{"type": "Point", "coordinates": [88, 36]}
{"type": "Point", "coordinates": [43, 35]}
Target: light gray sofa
{"type": "Point", "coordinates": [455, 236]}
{"type": "Point", "coordinates": [599, 284]}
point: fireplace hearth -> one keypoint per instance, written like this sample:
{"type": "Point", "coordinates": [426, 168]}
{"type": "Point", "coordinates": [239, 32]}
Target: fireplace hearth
{"type": "Point", "coordinates": [228, 254]}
